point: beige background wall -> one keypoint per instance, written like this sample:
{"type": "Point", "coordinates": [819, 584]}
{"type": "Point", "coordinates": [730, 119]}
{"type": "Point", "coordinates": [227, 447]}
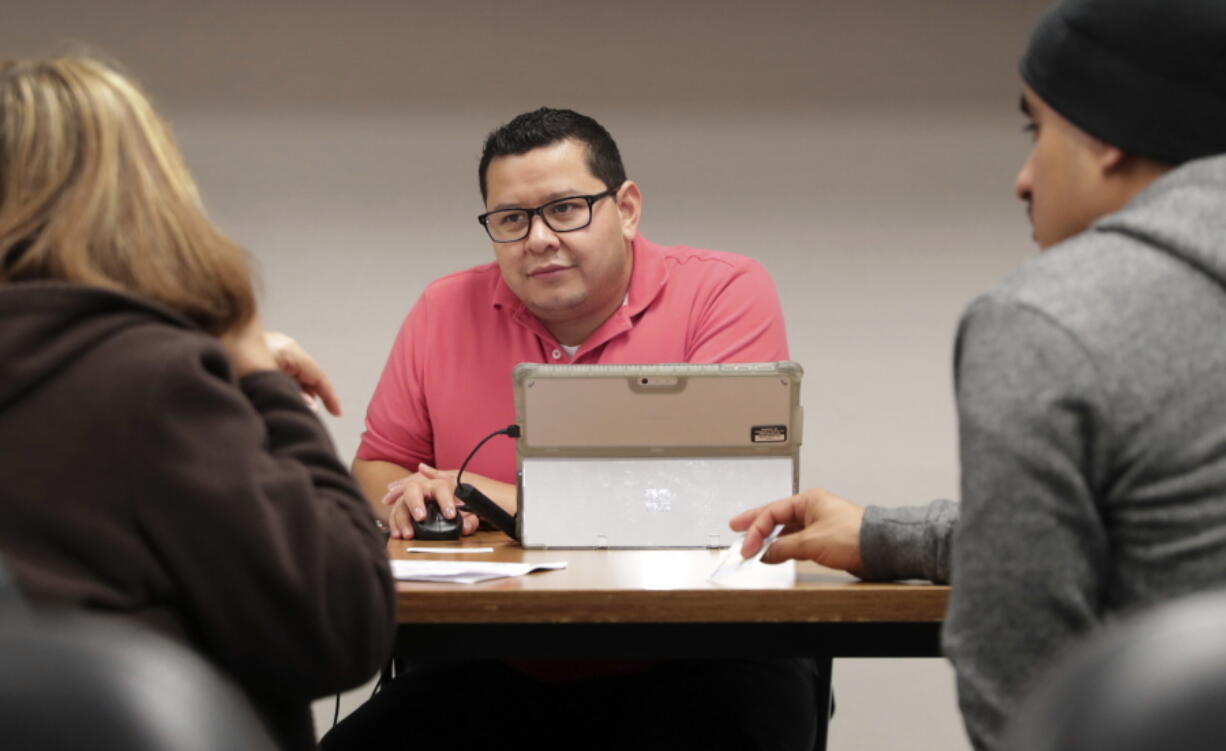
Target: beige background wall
{"type": "Point", "coordinates": [863, 150]}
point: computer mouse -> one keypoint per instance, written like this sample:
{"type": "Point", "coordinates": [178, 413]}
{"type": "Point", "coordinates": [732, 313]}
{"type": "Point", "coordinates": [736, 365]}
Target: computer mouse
{"type": "Point", "coordinates": [436, 526]}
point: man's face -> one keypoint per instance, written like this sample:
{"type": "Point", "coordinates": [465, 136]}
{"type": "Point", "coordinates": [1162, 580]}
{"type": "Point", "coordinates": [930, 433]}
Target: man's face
{"type": "Point", "coordinates": [1061, 181]}
{"type": "Point", "coordinates": [572, 281]}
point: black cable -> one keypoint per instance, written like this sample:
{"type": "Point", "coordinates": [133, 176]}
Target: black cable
{"type": "Point", "coordinates": [478, 502]}
{"type": "Point", "coordinates": [510, 430]}
{"type": "Point", "coordinates": [385, 676]}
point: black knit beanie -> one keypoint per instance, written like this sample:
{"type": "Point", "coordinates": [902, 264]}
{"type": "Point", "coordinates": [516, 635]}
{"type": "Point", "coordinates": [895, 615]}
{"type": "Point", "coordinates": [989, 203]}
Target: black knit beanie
{"type": "Point", "coordinates": [1148, 76]}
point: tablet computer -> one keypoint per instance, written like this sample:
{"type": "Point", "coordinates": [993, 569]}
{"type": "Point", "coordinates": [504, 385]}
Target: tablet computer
{"type": "Point", "coordinates": [652, 456]}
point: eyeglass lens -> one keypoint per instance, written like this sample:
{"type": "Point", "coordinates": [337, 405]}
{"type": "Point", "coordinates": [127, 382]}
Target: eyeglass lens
{"type": "Point", "coordinates": [563, 215]}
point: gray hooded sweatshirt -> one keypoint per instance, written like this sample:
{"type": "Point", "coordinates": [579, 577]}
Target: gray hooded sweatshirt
{"type": "Point", "coordinates": [1091, 391]}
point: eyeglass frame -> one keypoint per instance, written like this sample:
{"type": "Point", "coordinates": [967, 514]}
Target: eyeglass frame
{"type": "Point", "coordinates": [483, 219]}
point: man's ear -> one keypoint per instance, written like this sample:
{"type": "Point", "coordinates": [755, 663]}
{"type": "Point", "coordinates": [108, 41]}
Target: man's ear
{"type": "Point", "coordinates": [630, 205]}
{"type": "Point", "coordinates": [1128, 167]}
{"type": "Point", "coordinates": [1110, 159]}
{"type": "Point", "coordinates": [1123, 174]}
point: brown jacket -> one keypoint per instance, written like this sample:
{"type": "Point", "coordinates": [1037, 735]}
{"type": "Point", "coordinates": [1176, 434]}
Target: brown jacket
{"type": "Point", "coordinates": [138, 478]}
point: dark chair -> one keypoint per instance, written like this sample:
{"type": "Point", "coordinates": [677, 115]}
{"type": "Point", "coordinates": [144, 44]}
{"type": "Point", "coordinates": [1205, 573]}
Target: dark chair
{"type": "Point", "coordinates": [1154, 682]}
{"type": "Point", "coordinates": [88, 683]}
{"type": "Point", "coordinates": [12, 606]}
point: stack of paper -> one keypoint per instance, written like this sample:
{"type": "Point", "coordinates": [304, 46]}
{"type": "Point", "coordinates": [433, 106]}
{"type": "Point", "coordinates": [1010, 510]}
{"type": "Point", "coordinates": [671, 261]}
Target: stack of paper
{"type": "Point", "coordinates": [465, 572]}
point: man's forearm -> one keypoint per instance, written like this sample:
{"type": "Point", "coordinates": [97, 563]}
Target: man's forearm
{"type": "Point", "coordinates": [502, 493]}
{"type": "Point", "coordinates": [911, 542]}
{"type": "Point", "coordinates": [373, 477]}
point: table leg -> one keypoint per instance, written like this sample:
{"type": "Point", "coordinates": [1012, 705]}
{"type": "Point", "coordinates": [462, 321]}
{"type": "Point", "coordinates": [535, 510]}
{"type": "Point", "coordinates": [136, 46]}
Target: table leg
{"type": "Point", "coordinates": [825, 700]}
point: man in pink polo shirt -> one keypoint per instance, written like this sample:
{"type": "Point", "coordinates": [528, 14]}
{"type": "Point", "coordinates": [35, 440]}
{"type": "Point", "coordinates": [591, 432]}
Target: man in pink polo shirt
{"type": "Point", "coordinates": [572, 282]}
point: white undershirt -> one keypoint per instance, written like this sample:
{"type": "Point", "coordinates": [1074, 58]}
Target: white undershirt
{"type": "Point", "coordinates": [571, 349]}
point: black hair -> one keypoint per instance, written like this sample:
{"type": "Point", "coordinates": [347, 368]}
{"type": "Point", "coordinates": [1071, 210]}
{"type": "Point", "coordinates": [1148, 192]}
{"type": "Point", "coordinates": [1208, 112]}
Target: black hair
{"type": "Point", "coordinates": [546, 126]}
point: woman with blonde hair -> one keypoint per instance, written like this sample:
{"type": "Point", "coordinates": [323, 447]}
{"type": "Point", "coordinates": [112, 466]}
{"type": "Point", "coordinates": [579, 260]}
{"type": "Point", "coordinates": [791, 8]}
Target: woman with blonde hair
{"type": "Point", "coordinates": [157, 466]}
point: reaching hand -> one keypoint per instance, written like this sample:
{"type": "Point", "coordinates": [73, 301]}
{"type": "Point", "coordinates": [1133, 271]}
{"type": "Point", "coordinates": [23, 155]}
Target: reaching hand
{"type": "Point", "coordinates": [818, 526]}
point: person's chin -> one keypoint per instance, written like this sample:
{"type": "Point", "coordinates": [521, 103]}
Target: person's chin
{"type": "Point", "coordinates": [551, 305]}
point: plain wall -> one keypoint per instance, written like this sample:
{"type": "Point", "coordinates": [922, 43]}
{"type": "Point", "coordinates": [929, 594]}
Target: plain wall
{"type": "Point", "coordinates": [862, 150]}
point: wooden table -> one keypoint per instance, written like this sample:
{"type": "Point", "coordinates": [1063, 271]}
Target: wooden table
{"type": "Point", "coordinates": [659, 604]}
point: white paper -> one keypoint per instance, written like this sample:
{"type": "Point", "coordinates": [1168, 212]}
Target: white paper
{"type": "Point", "coordinates": [465, 572]}
{"type": "Point", "coordinates": [424, 549]}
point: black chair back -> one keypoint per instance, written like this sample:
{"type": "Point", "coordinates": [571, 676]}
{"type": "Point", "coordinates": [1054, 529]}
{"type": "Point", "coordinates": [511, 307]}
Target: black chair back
{"type": "Point", "coordinates": [92, 684]}
{"type": "Point", "coordinates": [1155, 682]}
{"type": "Point", "coordinates": [12, 605]}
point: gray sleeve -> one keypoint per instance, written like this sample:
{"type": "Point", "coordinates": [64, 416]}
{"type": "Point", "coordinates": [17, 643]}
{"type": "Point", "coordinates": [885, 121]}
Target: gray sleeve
{"type": "Point", "coordinates": [1030, 552]}
{"type": "Point", "coordinates": [911, 542]}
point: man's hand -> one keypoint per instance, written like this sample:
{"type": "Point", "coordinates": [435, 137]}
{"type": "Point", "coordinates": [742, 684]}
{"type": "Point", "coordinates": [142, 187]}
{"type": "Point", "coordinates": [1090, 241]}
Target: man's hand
{"type": "Point", "coordinates": [817, 526]}
{"type": "Point", "coordinates": [408, 495]}
{"type": "Point", "coordinates": [294, 361]}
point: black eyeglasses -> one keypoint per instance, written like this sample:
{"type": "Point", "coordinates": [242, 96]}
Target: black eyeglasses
{"type": "Point", "coordinates": [560, 215]}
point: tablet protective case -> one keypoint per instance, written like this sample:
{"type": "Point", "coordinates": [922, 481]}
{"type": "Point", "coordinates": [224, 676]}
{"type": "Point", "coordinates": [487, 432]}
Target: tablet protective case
{"type": "Point", "coordinates": [652, 456]}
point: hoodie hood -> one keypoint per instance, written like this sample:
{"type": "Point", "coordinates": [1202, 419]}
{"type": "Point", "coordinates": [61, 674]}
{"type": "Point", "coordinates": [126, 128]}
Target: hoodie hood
{"type": "Point", "coordinates": [1183, 213]}
{"type": "Point", "coordinates": [47, 326]}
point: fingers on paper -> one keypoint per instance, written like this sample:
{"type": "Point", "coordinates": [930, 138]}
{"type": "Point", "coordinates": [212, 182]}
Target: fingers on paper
{"type": "Point", "coordinates": [789, 512]}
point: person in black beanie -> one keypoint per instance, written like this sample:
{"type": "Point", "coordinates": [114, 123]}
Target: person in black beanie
{"type": "Point", "coordinates": [1091, 384]}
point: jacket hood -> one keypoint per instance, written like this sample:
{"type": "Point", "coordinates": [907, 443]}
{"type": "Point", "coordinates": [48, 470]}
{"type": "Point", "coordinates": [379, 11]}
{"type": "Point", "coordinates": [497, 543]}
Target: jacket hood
{"type": "Point", "coordinates": [46, 326]}
{"type": "Point", "coordinates": [1183, 213]}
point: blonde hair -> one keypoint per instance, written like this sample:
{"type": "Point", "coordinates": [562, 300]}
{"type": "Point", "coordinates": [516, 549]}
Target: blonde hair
{"type": "Point", "coordinates": [93, 189]}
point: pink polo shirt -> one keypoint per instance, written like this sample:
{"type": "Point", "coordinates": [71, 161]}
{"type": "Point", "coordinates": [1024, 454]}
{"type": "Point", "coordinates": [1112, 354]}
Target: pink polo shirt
{"type": "Point", "coordinates": [447, 382]}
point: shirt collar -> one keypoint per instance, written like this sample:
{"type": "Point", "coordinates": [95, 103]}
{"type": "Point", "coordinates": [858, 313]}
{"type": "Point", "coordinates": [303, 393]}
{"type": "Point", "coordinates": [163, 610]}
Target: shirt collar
{"type": "Point", "coordinates": [648, 278]}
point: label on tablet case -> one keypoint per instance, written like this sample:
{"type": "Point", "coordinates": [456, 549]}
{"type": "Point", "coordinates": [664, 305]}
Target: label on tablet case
{"type": "Point", "coordinates": [768, 433]}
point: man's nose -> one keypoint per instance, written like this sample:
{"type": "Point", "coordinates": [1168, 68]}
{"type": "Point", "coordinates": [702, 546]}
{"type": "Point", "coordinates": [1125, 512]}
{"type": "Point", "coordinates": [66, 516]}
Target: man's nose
{"type": "Point", "coordinates": [1023, 184]}
{"type": "Point", "coordinates": [540, 237]}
